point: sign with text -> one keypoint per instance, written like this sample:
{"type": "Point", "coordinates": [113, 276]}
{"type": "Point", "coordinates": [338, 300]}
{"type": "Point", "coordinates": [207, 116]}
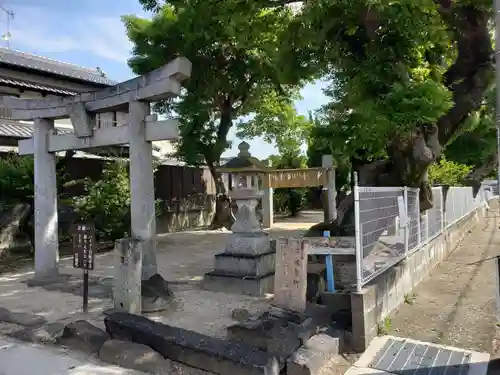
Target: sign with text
{"type": "Point", "coordinates": [290, 279]}
{"type": "Point", "coordinates": [295, 178]}
{"type": "Point", "coordinates": [83, 245]}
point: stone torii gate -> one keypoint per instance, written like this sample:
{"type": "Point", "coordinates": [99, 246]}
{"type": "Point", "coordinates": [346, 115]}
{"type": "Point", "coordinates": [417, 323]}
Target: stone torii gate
{"type": "Point", "coordinates": [141, 128]}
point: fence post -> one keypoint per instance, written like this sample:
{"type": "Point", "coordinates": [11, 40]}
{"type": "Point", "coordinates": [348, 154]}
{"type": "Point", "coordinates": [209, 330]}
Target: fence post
{"type": "Point", "coordinates": [419, 229]}
{"type": "Point", "coordinates": [426, 225]}
{"type": "Point", "coordinates": [407, 224]}
{"type": "Point", "coordinates": [330, 209]}
{"type": "Point", "coordinates": [358, 239]}
{"type": "Point", "coordinates": [267, 204]}
{"type": "Point", "coordinates": [441, 208]}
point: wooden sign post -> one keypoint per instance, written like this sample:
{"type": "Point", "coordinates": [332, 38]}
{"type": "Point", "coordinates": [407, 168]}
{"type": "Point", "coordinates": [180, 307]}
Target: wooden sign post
{"type": "Point", "coordinates": [83, 254]}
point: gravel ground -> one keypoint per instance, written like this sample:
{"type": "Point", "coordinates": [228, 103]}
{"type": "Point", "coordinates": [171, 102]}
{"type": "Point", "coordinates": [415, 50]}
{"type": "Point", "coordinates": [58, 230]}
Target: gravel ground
{"type": "Point", "coordinates": [183, 258]}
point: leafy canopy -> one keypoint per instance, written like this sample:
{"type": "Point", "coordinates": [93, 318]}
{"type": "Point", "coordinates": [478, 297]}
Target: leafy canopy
{"type": "Point", "coordinates": [386, 60]}
{"type": "Point", "coordinates": [233, 47]}
{"type": "Point", "coordinates": [277, 122]}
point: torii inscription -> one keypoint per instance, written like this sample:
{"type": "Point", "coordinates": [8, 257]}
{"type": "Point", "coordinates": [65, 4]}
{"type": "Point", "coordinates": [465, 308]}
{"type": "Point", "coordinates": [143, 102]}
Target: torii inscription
{"type": "Point", "coordinates": [132, 96]}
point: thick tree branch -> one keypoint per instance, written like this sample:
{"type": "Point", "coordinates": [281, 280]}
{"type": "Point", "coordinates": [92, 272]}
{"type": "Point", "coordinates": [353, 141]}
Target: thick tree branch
{"type": "Point", "coordinates": [484, 170]}
{"type": "Point", "coordinates": [472, 72]}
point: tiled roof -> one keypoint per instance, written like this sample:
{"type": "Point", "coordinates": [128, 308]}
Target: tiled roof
{"type": "Point", "coordinates": [35, 86]}
{"type": "Point", "coordinates": [20, 130]}
{"type": "Point", "coordinates": [26, 60]}
{"type": "Point", "coordinates": [16, 129]}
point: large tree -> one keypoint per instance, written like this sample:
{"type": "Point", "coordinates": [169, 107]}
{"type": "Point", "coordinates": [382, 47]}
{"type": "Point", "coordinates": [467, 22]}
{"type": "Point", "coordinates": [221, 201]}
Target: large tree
{"type": "Point", "coordinates": [406, 76]}
{"type": "Point", "coordinates": [233, 47]}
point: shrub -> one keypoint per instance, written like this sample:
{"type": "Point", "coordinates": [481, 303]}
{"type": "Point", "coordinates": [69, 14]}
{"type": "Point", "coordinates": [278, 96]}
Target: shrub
{"type": "Point", "coordinates": [16, 178]}
{"type": "Point", "coordinates": [107, 202]}
{"type": "Point", "coordinates": [448, 173]}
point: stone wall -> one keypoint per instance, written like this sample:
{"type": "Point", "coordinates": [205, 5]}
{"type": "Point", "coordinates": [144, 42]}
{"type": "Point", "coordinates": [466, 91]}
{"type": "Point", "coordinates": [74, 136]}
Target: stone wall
{"type": "Point", "coordinates": [186, 216]}
{"type": "Point", "coordinates": [12, 217]}
{"type": "Point", "coordinates": [387, 291]}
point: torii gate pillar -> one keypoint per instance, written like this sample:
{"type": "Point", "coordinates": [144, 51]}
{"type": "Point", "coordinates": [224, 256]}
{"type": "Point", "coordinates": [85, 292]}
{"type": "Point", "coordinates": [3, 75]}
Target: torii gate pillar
{"type": "Point", "coordinates": [46, 220]}
{"type": "Point", "coordinates": [142, 193]}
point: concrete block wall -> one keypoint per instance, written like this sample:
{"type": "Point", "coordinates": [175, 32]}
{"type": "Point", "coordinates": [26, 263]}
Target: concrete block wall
{"type": "Point", "coordinates": [387, 291]}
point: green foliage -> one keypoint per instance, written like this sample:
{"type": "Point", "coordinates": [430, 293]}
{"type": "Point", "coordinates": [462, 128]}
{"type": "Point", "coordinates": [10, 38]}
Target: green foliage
{"type": "Point", "coordinates": [233, 47]}
{"type": "Point", "coordinates": [107, 202]}
{"type": "Point", "coordinates": [447, 172]}
{"type": "Point", "coordinates": [277, 121]}
{"type": "Point", "coordinates": [384, 85]}
{"type": "Point", "coordinates": [16, 178]}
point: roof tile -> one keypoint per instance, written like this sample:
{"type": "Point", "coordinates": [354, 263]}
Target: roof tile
{"type": "Point", "coordinates": [26, 60]}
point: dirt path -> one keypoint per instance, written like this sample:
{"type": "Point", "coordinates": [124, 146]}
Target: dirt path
{"type": "Point", "coordinates": [455, 305]}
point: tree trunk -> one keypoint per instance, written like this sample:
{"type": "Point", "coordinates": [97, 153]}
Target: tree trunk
{"type": "Point", "coordinates": [223, 217]}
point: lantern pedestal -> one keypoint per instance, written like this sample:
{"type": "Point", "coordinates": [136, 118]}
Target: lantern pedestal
{"type": "Point", "coordinates": [247, 264]}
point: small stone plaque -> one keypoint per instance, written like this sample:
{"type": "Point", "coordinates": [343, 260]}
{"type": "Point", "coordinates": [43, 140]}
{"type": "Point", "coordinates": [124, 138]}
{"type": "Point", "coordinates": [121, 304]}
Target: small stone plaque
{"type": "Point", "coordinates": [291, 273]}
{"type": "Point", "coordinates": [83, 245]}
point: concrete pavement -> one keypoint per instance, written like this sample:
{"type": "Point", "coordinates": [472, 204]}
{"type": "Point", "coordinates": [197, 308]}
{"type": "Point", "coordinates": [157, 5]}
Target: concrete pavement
{"type": "Point", "coordinates": [17, 358]}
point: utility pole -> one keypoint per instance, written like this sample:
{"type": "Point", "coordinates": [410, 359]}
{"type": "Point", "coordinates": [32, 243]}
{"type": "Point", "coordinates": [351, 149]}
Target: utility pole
{"type": "Point", "coordinates": [497, 75]}
{"type": "Point", "coordinates": [10, 16]}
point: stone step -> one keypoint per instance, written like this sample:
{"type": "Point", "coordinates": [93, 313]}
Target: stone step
{"type": "Point", "coordinates": [245, 265]}
{"type": "Point", "coordinates": [232, 283]}
{"type": "Point", "coordinates": [212, 354]}
{"type": "Point", "coordinates": [248, 243]}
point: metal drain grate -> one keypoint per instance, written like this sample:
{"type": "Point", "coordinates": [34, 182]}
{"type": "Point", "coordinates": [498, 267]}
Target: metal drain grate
{"type": "Point", "coordinates": [409, 358]}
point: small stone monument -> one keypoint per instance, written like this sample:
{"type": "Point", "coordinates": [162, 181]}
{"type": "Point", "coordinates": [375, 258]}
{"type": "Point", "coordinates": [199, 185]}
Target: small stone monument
{"type": "Point", "coordinates": [133, 292]}
{"type": "Point", "coordinates": [291, 274]}
{"type": "Point", "coordinates": [128, 269]}
{"type": "Point", "coordinates": [247, 264]}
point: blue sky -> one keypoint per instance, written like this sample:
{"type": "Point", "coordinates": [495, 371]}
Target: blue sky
{"type": "Point", "coordinates": [89, 33]}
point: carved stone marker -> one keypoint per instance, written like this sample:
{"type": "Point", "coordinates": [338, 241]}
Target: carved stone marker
{"type": "Point", "coordinates": [128, 269]}
{"type": "Point", "coordinates": [247, 265]}
{"type": "Point", "coordinates": [290, 283]}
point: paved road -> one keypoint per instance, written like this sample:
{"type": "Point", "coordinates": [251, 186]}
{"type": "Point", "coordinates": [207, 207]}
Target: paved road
{"type": "Point", "coordinates": [18, 358]}
{"type": "Point", "coordinates": [455, 305]}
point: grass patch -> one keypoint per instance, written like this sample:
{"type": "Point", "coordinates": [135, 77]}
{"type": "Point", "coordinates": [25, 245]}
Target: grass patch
{"type": "Point", "coordinates": [385, 326]}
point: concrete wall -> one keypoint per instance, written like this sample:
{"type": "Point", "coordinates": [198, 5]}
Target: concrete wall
{"type": "Point", "coordinates": [387, 291]}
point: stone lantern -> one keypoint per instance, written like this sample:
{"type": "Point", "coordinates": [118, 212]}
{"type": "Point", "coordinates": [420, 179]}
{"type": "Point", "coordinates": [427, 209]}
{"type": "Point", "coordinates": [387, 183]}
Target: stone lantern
{"type": "Point", "coordinates": [247, 264]}
{"type": "Point", "coordinates": [244, 170]}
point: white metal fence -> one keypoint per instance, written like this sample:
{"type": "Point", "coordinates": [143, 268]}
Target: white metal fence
{"type": "Point", "coordinates": [390, 226]}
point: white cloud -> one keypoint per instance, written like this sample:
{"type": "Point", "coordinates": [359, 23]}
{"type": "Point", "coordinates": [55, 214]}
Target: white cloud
{"type": "Point", "coordinates": [49, 31]}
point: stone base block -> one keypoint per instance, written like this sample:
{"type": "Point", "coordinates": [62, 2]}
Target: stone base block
{"type": "Point", "coordinates": [212, 354]}
{"type": "Point", "coordinates": [83, 336]}
{"type": "Point", "coordinates": [245, 265]}
{"type": "Point", "coordinates": [231, 283]}
{"type": "Point", "coordinates": [280, 331]}
{"type": "Point", "coordinates": [314, 356]}
{"type": "Point", "coordinates": [249, 244]}
{"type": "Point", "coordinates": [156, 295]}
